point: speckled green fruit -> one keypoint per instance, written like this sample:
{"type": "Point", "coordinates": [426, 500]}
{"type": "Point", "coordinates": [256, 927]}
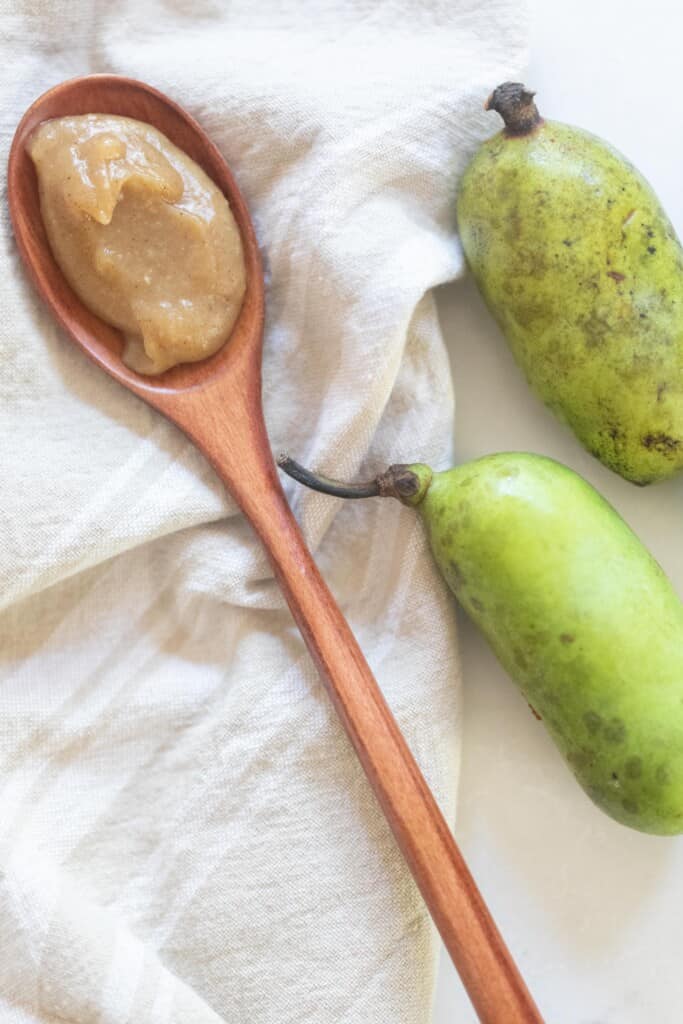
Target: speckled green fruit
{"type": "Point", "coordinates": [578, 262]}
{"type": "Point", "coordinates": [575, 608]}
{"type": "Point", "coordinates": [579, 614]}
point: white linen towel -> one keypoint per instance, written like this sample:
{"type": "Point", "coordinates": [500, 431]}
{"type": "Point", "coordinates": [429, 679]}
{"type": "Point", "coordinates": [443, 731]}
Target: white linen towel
{"type": "Point", "coordinates": [185, 834]}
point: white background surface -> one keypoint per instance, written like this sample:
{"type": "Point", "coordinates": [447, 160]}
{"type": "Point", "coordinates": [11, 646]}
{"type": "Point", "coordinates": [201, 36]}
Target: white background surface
{"type": "Point", "coordinates": [591, 910]}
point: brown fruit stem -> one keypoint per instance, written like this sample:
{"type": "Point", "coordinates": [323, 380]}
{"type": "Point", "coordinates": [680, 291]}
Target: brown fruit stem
{"type": "Point", "coordinates": [515, 104]}
{"type": "Point", "coordinates": [396, 482]}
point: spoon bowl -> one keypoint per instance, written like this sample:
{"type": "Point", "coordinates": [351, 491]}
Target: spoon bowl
{"type": "Point", "coordinates": [217, 403]}
{"type": "Point", "coordinates": [112, 94]}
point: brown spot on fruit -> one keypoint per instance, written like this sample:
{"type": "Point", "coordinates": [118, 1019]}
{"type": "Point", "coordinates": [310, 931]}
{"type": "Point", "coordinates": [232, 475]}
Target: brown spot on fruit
{"type": "Point", "coordinates": [662, 443]}
{"type": "Point", "coordinates": [567, 638]}
{"type": "Point", "coordinates": [535, 713]}
{"type": "Point", "coordinates": [616, 276]}
{"type": "Point", "coordinates": [634, 768]}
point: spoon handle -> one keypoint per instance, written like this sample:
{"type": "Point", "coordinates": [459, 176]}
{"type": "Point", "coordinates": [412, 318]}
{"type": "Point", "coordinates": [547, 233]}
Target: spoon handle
{"type": "Point", "coordinates": [243, 460]}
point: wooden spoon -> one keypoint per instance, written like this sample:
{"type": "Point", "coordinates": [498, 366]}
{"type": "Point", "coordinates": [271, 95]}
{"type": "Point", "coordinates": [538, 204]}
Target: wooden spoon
{"type": "Point", "coordinates": [217, 403]}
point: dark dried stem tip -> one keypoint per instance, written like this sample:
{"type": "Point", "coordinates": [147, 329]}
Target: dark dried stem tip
{"type": "Point", "coordinates": [515, 104]}
{"type": "Point", "coordinates": [324, 484]}
{"type": "Point", "coordinates": [397, 482]}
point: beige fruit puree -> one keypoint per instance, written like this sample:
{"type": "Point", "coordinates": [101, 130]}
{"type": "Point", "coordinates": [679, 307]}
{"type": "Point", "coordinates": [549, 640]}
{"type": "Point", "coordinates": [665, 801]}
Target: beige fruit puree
{"type": "Point", "coordinates": [143, 236]}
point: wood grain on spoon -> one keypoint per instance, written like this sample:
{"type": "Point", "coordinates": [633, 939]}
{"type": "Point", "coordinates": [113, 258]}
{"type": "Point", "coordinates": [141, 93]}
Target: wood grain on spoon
{"type": "Point", "coordinates": [217, 403]}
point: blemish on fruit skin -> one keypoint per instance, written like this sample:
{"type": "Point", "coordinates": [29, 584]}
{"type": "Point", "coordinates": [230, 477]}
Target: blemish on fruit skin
{"type": "Point", "coordinates": [615, 731]}
{"type": "Point", "coordinates": [662, 443]}
{"type": "Point", "coordinates": [630, 805]}
{"type": "Point", "coordinates": [633, 768]}
{"type": "Point", "coordinates": [567, 638]}
{"type": "Point", "coordinates": [592, 721]}
{"type": "Point", "coordinates": [476, 604]}
{"type": "Point", "coordinates": [662, 775]}
{"type": "Point", "coordinates": [616, 276]}
{"type": "Point", "coordinates": [595, 330]}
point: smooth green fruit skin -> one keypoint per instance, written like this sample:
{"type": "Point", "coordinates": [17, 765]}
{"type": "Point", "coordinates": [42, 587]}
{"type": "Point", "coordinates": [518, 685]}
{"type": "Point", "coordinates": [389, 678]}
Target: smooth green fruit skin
{"type": "Point", "coordinates": [580, 615]}
{"type": "Point", "coordinates": [582, 269]}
